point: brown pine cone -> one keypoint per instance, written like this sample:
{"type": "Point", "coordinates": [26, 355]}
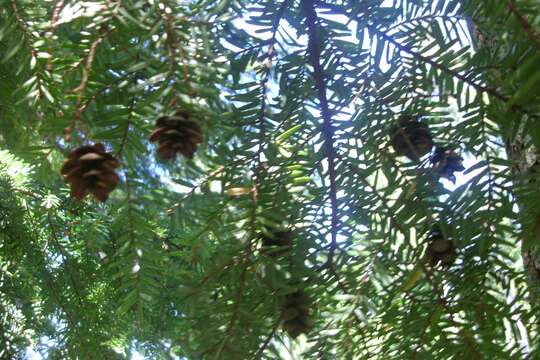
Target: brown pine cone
{"type": "Point", "coordinates": [176, 134]}
{"type": "Point", "coordinates": [277, 243]}
{"type": "Point", "coordinates": [446, 162]}
{"type": "Point", "coordinates": [411, 138]}
{"type": "Point", "coordinates": [90, 169]}
{"type": "Point", "coordinates": [440, 250]}
{"type": "Point", "coordinates": [296, 315]}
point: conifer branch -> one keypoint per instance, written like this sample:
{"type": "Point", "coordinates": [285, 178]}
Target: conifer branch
{"type": "Point", "coordinates": [533, 36]}
{"type": "Point", "coordinates": [308, 7]}
{"type": "Point", "coordinates": [27, 35]}
{"type": "Point", "coordinates": [87, 69]}
{"type": "Point", "coordinates": [256, 179]}
{"type": "Point", "coordinates": [54, 23]}
{"type": "Point", "coordinates": [441, 67]}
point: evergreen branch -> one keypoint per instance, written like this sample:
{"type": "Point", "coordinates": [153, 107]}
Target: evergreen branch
{"type": "Point", "coordinates": [450, 18]}
{"type": "Point", "coordinates": [212, 175]}
{"type": "Point", "coordinates": [27, 35]}
{"type": "Point", "coordinates": [197, 288]}
{"type": "Point", "coordinates": [66, 256]}
{"type": "Point", "coordinates": [128, 125]}
{"type": "Point", "coordinates": [35, 256]}
{"type": "Point", "coordinates": [52, 29]}
{"type": "Point", "coordinates": [173, 45]}
{"type": "Point", "coordinates": [87, 69]}
{"type": "Point", "coordinates": [104, 89]}
{"type": "Point", "coordinates": [308, 7]}
{"type": "Point", "coordinates": [131, 224]}
{"type": "Point", "coordinates": [131, 232]}
{"type": "Point", "coordinates": [236, 306]}
{"type": "Point", "coordinates": [256, 180]}
{"type": "Point", "coordinates": [531, 34]}
{"type": "Point", "coordinates": [441, 67]}
{"type": "Point", "coordinates": [270, 336]}
{"type": "Point", "coordinates": [442, 301]}
{"type": "Point", "coordinates": [373, 190]}
{"type": "Point", "coordinates": [418, 346]}
{"type": "Point", "coordinates": [264, 85]}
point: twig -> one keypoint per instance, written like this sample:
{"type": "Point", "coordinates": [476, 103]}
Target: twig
{"type": "Point", "coordinates": [126, 130]}
{"type": "Point", "coordinates": [442, 67]}
{"type": "Point", "coordinates": [524, 24]}
{"type": "Point", "coordinates": [66, 256]}
{"type": "Point", "coordinates": [28, 193]}
{"type": "Point", "coordinates": [173, 45]}
{"type": "Point", "coordinates": [268, 339]}
{"type": "Point", "coordinates": [28, 38]}
{"type": "Point", "coordinates": [236, 306]}
{"type": "Point", "coordinates": [80, 90]}
{"type": "Point", "coordinates": [103, 90]}
{"type": "Point", "coordinates": [327, 128]}
{"type": "Point", "coordinates": [212, 175]}
{"type": "Point", "coordinates": [388, 209]}
{"type": "Point", "coordinates": [54, 24]}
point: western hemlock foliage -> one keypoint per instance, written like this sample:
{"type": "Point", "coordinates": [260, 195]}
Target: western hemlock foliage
{"type": "Point", "coordinates": [288, 179]}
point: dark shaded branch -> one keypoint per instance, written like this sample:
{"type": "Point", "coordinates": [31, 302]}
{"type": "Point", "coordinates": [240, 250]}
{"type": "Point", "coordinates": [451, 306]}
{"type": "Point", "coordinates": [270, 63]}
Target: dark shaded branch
{"type": "Point", "coordinates": [268, 339]}
{"type": "Point", "coordinates": [533, 37]}
{"type": "Point", "coordinates": [327, 129]}
{"type": "Point", "coordinates": [126, 129]}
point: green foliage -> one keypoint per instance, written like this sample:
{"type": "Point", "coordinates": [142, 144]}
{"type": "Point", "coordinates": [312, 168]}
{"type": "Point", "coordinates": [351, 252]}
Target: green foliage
{"type": "Point", "coordinates": [297, 101]}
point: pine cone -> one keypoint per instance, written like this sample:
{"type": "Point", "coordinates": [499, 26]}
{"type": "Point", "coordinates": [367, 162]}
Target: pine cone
{"type": "Point", "coordinates": [440, 250]}
{"type": "Point", "coordinates": [446, 162]}
{"type": "Point", "coordinates": [89, 169]}
{"type": "Point", "coordinates": [277, 243]}
{"type": "Point", "coordinates": [176, 134]}
{"type": "Point", "coordinates": [411, 138]}
{"type": "Point", "coordinates": [295, 316]}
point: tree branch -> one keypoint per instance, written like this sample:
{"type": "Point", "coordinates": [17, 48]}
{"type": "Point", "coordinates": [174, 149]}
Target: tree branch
{"type": "Point", "coordinates": [327, 129]}
{"type": "Point", "coordinates": [80, 90]}
{"type": "Point", "coordinates": [54, 23]}
{"type": "Point", "coordinates": [457, 75]}
{"type": "Point", "coordinates": [256, 178]}
{"type": "Point", "coordinates": [524, 24]}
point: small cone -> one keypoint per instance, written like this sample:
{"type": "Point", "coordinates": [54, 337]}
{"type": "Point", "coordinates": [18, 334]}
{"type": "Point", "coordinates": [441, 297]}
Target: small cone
{"type": "Point", "coordinates": [296, 315]}
{"type": "Point", "coordinates": [440, 250]}
{"type": "Point", "coordinates": [277, 243]}
{"type": "Point", "coordinates": [411, 138]}
{"type": "Point", "coordinates": [90, 169]}
{"type": "Point", "coordinates": [446, 162]}
{"type": "Point", "coordinates": [176, 134]}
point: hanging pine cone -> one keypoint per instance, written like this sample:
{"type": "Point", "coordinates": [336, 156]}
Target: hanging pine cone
{"type": "Point", "coordinates": [90, 169]}
{"type": "Point", "coordinates": [295, 316]}
{"type": "Point", "coordinates": [440, 250]}
{"type": "Point", "coordinates": [177, 134]}
{"type": "Point", "coordinates": [411, 138]}
{"type": "Point", "coordinates": [446, 162]}
{"type": "Point", "coordinates": [277, 243]}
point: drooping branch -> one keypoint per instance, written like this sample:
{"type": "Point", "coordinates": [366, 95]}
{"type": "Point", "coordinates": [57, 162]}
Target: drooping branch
{"type": "Point", "coordinates": [54, 23]}
{"type": "Point", "coordinates": [327, 128]}
{"type": "Point", "coordinates": [443, 68]}
{"type": "Point", "coordinates": [256, 180]}
{"type": "Point", "coordinates": [533, 36]}
{"type": "Point", "coordinates": [80, 90]}
{"type": "Point", "coordinates": [27, 37]}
